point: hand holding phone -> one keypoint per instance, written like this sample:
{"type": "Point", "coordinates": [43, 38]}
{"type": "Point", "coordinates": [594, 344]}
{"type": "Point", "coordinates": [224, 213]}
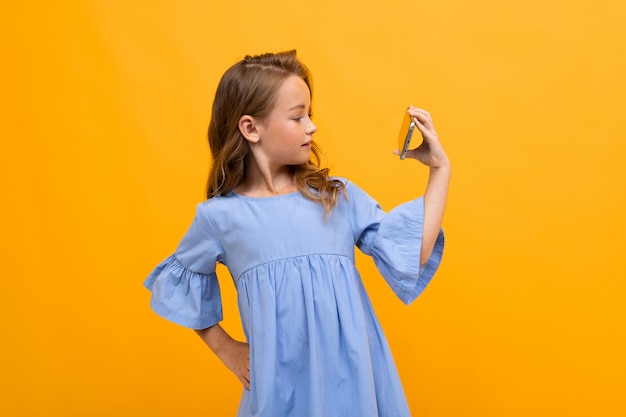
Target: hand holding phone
{"type": "Point", "coordinates": [406, 132]}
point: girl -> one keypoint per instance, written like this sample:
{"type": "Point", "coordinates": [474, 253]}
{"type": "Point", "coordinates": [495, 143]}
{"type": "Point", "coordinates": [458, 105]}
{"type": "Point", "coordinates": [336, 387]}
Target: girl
{"type": "Point", "coordinates": [286, 230]}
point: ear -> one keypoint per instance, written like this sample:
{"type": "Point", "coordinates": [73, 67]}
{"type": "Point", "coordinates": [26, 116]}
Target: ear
{"type": "Point", "coordinates": [249, 128]}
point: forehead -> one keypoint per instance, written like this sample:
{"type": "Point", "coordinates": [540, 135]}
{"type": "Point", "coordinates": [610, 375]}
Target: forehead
{"type": "Point", "coordinates": [293, 92]}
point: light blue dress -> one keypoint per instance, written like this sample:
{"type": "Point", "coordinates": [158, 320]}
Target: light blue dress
{"type": "Point", "coordinates": [316, 347]}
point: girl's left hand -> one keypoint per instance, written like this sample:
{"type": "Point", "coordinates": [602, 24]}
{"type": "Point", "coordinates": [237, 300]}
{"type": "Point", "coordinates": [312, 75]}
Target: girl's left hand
{"type": "Point", "coordinates": [430, 152]}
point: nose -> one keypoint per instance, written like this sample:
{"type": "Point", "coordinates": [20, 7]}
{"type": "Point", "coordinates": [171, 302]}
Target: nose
{"type": "Point", "coordinates": [311, 128]}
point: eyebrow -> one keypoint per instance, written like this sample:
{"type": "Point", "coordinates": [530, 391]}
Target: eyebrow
{"type": "Point", "coordinates": [297, 106]}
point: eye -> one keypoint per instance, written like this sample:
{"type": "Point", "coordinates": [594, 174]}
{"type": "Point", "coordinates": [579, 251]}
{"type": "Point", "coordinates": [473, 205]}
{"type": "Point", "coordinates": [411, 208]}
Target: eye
{"type": "Point", "coordinates": [300, 118]}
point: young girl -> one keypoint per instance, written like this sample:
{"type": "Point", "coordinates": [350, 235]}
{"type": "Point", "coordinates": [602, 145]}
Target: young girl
{"type": "Point", "coordinates": [286, 230]}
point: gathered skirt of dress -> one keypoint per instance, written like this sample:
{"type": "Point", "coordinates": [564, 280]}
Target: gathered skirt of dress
{"type": "Point", "coordinates": [316, 346]}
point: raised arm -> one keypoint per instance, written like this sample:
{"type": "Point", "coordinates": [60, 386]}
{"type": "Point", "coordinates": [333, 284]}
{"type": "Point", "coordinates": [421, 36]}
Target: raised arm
{"type": "Point", "coordinates": [431, 154]}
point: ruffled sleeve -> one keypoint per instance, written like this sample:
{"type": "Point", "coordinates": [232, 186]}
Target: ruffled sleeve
{"type": "Point", "coordinates": [394, 241]}
{"type": "Point", "coordinates": [184, 286]}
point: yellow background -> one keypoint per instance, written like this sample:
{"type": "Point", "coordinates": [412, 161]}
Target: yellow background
{"type": "Point", "coordinates": [104, 113]}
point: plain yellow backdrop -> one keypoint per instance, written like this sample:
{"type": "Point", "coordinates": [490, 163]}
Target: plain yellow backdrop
{"type": "Point", "coordinates": [104, 113]}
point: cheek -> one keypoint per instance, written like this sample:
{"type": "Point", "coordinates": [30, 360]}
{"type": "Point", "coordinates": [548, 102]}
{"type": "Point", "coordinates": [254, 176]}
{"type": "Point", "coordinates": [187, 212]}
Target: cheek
{"type": "Point", "coordinates": [288, 131]}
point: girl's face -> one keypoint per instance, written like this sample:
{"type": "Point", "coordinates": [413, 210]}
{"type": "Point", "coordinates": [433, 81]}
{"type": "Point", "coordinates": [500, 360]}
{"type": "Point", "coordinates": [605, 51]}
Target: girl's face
{"type": "Point", "coordinates": [286, 134]}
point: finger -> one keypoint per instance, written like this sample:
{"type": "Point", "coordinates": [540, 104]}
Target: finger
{"type": "Point", "coordinates": [424, 130]}
{"type": "Point", "coordinates": [245, 380]}
{"type": "Point", "coordinates": [411, 153]}
{"type": "Point", "coordinates": [425, 120]}
{"type": "Point", "coordinates": [422, 115]}
{"type": "Point", "coordinates": [415, 111]}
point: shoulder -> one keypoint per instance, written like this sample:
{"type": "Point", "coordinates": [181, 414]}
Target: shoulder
{"type": "Point", "coordinates": [218, 201]}
{"type": "Point", "coordinates": [351, 187]}
{"type": "Point", "coordinates": [216, 205]}
{"type": "Point", "coordinates": [355, 196]}
{"type": "Point", "coordinates": [348, 185]}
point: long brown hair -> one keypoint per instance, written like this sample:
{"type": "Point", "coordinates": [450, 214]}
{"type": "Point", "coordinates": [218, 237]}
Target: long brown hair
{"type": "Point", "coordinates": [249, 88]}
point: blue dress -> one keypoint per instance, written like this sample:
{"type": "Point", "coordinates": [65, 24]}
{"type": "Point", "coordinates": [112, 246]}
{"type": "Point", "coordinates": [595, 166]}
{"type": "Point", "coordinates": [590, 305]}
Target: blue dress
{"type": "Point", "coordinates": [316, 347]}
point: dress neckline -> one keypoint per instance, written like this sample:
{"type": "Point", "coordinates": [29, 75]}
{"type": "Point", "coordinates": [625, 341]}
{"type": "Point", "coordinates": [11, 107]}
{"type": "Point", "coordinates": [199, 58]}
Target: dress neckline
{"type": "Point", "coordinates": [269, 197]}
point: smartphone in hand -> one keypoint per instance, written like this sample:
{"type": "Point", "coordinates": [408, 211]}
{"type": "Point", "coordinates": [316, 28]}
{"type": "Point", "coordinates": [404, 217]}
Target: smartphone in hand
{"type": "Point", "coordinates": [406, 132]}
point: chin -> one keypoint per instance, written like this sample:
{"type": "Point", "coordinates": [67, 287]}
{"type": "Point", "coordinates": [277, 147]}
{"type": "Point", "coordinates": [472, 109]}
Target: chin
{"type": "Point", "coordinates": [303, 159]}
{"type": "Point", "coordinates": [299, 162]}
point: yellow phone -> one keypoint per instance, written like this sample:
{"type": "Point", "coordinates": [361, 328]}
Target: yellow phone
{"type": "Point", "coordinates": [406, 132]}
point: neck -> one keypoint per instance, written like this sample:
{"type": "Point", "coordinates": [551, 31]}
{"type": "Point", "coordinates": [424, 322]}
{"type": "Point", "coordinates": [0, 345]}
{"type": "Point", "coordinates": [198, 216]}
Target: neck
{"type": "Point", "coordinates": [264, 181]}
